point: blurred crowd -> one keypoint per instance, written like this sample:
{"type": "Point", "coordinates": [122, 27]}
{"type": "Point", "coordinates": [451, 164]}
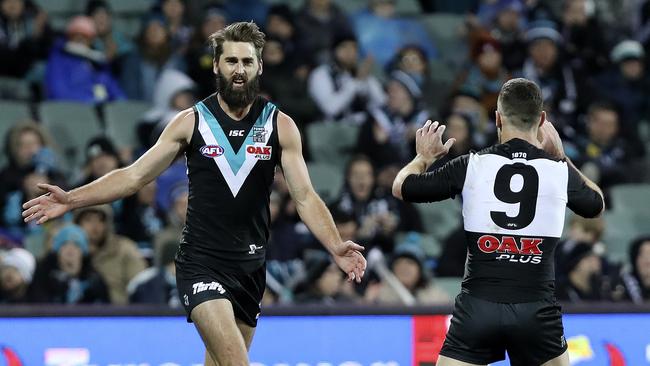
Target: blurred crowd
{"type": "Point", "coordinates": [377, 69]}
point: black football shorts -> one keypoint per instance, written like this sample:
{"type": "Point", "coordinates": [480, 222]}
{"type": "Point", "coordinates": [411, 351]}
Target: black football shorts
{"type": "Point", "coordinates": [197, 283]}
{"type": "Point", "coordinates": [482, 331]}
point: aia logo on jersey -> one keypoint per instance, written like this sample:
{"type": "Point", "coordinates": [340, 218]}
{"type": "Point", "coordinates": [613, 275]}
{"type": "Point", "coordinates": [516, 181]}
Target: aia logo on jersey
{"type": "Point", "coordinates": [509, 249]}
{"type": "Point", "coordinates": [259, 152]}
{"type": "Point", "coordinates": [211, 151]}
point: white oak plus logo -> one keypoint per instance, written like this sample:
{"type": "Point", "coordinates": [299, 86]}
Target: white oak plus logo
{"type": "Point", "coordinates": [508, 249]}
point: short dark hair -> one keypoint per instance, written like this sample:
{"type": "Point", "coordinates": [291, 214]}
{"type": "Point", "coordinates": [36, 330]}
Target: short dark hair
{"type": "Point", "coordinates": [520, 101]}
{"type": "Point", "coordinates": [247, 32]}
{"type": "Point", "coordinates": [601, 105]}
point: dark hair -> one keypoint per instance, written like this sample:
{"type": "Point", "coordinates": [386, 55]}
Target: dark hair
{"type": "Point", "coordinates": [520, 101]}
{"type": "Point", "coordinates": [247, 32]}
{"type": "Point", "coordinates": [601, 106]}
{"type": "Point", "coordinates": [635, 248]}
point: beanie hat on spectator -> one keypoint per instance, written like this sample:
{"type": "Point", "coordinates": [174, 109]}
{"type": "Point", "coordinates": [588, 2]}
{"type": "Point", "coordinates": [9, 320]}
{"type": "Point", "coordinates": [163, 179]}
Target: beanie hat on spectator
{"type": "Point", "coordinates": [100, 146]}
{"type": "Point", "coordinates": [81, 25]}
{"type": "Point", "coordinates": [408, 82]}
{"type": "Point", "coordinates": [627, 50]}
{"type": "Point", "coordinates": [482, 44]}
{"type": "Point", "coordinates": [543, 29]}
{"type": "Point", "coordinates": [22, 260]}
{"type": "Point", "coordinates": [316, 263]}
{"type": "Point", "coordinates": [576, 254]}
{"type": "Point", "coordinates": [71, 233]}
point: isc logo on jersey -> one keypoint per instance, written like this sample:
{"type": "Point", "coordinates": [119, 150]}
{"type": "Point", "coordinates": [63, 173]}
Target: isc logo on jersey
{"type": "Point", "coordinates": [259, 152]}
{"type": "Point", "coordinates": [211, 151]}
{"type": "Point", "coordinates": [507, 248]}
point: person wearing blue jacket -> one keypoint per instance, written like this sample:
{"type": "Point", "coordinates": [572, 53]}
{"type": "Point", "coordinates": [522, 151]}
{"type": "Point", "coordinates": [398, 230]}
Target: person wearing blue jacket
{"type": "Point", "coordinates": [75, 71]}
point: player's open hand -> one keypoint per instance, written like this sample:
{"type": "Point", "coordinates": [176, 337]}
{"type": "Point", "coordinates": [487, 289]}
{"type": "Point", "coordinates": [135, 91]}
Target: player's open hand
{"type": "Point", "coordinates": [48, 206]}
{"type": "Point", "coordinates": [428, 141]}
{"type": "Point", "coordinates": [550, 140]}
{"type": "Point", "coordinates": [349, 258]}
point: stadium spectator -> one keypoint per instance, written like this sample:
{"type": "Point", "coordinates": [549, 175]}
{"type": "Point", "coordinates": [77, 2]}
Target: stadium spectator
{"type": "Point", "coordinates": [585, 280]}
{"type": "Point", "coordinates": [175, 209]}
{"type": "Point", "coordinates": [25, 37]}
{"type": "Point", "coordinates": [323, 282]}
{"type": "Point", "coordinates": [17, 268]}
{"type": "Point", "coordinates": [451, 262]}
{"type": "Point", "coordinates": [485, 74]}
{"type": "Point", "coordinates": [627, 85]}
{"type": "Point", "coordinates": [139, 220]}
{"type": "Point", "coordinates": [157, 285]}
{"type": "Point", "coordinates": [101, 158]}
{"type": "Point", "coordinates": [153, 55]}
{"type": "Point", "coordinates": [115, 257]}
{"type": "Point", "coordinates": [563, 87]}
{"type": "Point", "coordinates": [113, 43]}
{"type": "Point", "coordinates": [504, 19]}
{"type": "Point", "coordinates": [583, 37]}
{"type": "Point", "coordinates": [381, 33]}
{"type": "Point", "coordinates": [603, 151]}
{"type": "Point", "coordinates": [482, 124]}
{"type": "Point", "coordinates": [173, 11]}
{"type": "Point", "coordinates": [25, 145]}
{"type": "Point", "coordinates": [285, 83]}
{"type": "Point", "coordinates": [388, 135]}
{"type": "Point", "coordinates": [281, 25]}
{"type": "Point", "coordinates": [246, 10]}
{"type": "Point", "coordinates": [637, 281]}
{"type": "Point", "coordinates": [581, 231]}
{"type": "Point", "coordinates": [344, 88]}
{"type": "Point", "coordinates": [407, 265]}
{"type": "Point", "coordinates": [66, 275]}
{"type": "Point", "coordinates": [199, 54]}
{"type": "Point", "coordinates": [77, 72]}
{"type": "Point", "coordinates": [413, 60]}
{"type": "Point", "coordinates": [319, 23]}
{"type": "Point", "coordinates": [377, 216]}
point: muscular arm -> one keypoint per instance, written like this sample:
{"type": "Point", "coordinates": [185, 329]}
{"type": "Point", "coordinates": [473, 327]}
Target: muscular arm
{"type": "Point", "coordinates": [126, 181]}
{"type": "Point", "coordinates": [118, 183]}
{"type": "Point", "coordinates": [311, 208]}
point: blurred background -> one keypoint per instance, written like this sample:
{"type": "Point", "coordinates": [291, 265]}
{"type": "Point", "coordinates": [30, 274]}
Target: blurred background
{"type": "Point", "coordinates": [86, 86]}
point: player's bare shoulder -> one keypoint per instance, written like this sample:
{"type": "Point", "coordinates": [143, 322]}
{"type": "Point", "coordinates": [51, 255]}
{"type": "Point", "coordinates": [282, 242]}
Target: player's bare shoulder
{"type": "Point", "coordinates": [288, 133]}
{"type": "Point", "coordinates": [181, 127]}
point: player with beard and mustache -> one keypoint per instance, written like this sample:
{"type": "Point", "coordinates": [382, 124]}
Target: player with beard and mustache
{"type": "Point", "coordinates": [232, 141]}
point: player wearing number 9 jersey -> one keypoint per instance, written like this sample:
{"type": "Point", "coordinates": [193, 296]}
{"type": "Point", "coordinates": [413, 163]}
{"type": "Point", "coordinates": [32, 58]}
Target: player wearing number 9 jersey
{"type": "Point", "coordinates": [514, 196]}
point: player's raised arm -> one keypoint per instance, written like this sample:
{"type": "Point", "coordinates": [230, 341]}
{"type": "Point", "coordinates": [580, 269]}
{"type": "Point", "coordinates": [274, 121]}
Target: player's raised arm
{"type": "Point", "coordinates": [429, 148]}
{"type": "Point", "coordinates": [311, 208]}
{"type": "Point", "coordinates": [118, 183]}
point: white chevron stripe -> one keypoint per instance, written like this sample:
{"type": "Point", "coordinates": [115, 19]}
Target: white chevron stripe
{"type": "Point", "coordinates": [235, 181]}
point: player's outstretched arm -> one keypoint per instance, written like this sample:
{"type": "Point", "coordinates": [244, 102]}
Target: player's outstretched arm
{"type": "Point", "coordinates": [429, 148]}
{"type": "Point", "coordinates": [311, 208]}
{"type": "Point", "coordinates": [118, 183]}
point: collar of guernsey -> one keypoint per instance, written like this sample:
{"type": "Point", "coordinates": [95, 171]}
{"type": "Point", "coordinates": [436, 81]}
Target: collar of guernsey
{"type": "Point", "coordinates": [234, 166]}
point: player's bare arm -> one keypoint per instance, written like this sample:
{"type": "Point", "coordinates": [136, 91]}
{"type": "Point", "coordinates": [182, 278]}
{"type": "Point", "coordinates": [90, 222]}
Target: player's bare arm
{"type": "Point", "coordinates": [118, 183]}
{"type": "Point", "coordinates": [429, 148]}
{"type": "Point", "coordinates": [552, 144]}
{"type": "Point", "coordinates": [311, 208]}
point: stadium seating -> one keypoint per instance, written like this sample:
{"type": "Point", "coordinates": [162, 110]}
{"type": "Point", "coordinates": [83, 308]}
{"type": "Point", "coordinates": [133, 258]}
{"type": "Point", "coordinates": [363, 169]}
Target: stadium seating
{"type": "Point", "coordinates": [121, 120]}
{"type": "Point", "coordinates": [427, 242]}
{"type": "Point", "coordinates": [448, 32]}
{"type": "Point", "coordinates": [71, 125]}
{"type": "Point", "coordinates": [451, 285]}
{"type": "Point", "coordinates": [130, 7]}
{"type": "Point", "coordinates": [332, 142]}
{"type": "Point", "coordinates": [327, 180]}
{"type": "Point", "coordinates": [440, 218]}
{"type": "Point", "coordinates": [627, 219]}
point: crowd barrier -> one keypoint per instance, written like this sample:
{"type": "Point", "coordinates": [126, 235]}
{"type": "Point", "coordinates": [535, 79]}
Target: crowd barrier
{"type": "Point", "coordinates": [598, 335]}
